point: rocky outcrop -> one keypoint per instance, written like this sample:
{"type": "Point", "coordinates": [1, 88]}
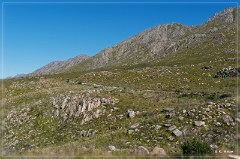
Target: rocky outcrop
{"type": "Point", "coordinates": [74, 105]}
{"type": "Point", "coordinates": [228, 72]}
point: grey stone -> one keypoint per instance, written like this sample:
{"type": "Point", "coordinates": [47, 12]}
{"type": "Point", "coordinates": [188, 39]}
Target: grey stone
{"type": "Point", "coordinates": [227, 119]}
{"type": "Point", "coordinates": [171, 128]}
{"type": "Point", "coordinates": [131, 113]}
{"type": "Point", "coordinates": [170, 115]}
{"type": "Point", "coordinates": [171, 138]}
{"type": "Point", "coordinates": [141, 150]}
{"type": "Point", "coordinates": [190, 113]}
{"type": "Point", "coordinates": [159, 138]}
{"type": "Point", "coordinates": [158, 151]}
{"type": "Point", "coordinates": [111, 148]}
{"type": "Point", "coordinates": [168, 109]}
{"type": "Point", "coordinates": [210, 103]}
{"type": "Point", "coordinates": [134, 125]}
{"type": "Point", "coordinates": [199, 123]}
{"type": "Point", "coordinates": [130, 131]}
{"type": "Point", "coordinates": [157, 127]}
{"type": "Point", "coordinates": [83, 133]}
{"type": "Point", "coordinates": [167, 125]}
{"type": "Point", "coordinates": [180, 118]}
{"type": "Point", "coordinates": [177, 132]}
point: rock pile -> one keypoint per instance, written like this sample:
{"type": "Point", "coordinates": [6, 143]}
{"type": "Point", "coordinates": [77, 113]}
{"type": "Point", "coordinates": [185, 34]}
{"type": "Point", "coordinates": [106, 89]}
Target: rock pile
{"type": "Point", "coordinates": [228, 72]}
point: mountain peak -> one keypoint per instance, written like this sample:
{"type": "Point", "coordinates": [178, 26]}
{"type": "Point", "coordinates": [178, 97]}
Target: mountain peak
{"type": "Point", "coordinates": [226, 16]}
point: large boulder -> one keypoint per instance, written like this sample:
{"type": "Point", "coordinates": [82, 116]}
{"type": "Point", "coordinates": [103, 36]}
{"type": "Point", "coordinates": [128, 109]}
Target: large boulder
{"type": "Point", "coordinates": [158, 151]}
{"type": "Point", "coordinates": [141, 151]}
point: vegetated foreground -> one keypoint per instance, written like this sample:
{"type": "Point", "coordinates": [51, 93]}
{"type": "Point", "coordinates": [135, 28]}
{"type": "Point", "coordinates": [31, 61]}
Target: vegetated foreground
{"type": "Point", "coordinates": [120, 110]}
{"type": "Point", "coordinates": [185, 103]}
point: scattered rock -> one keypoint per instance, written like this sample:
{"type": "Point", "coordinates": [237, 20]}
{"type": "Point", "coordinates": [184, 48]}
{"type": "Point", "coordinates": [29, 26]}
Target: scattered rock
{"type": "Point", "coordinates": [141, 150]}
{"type": "Point", "coordinates": [111, 148]}
{"type": "Point", "coordinates": [159, 138]}
{"type": "Point", "coordinates": [177, 132]}
{"type": "Point", "coordinates": [199, 123]}
{"type": "Point", "coordinates": [167, 125]}
{"type": "Point", "coordinates": [168, 109]}
{"type": "Point", "coordinates": [227, 119]}
{"type": "Point", "coordinates": [131, 113]}
{"type": "Point", "coordinates": [170, 115]}
{"type": "Point", "coordinates": [171, 128]}
{"type": "Point", "coordinates": [180, 118]}
{"type": "Point", "coordinates": [157, 127]}
{"type": "Point", "coordinates": [190, 113]}
{"type": "Point", "coordinates": [158, 151]}
{"type": "Point", "coordinates": [207, 67]}
{"type": "Point", "coordinates": [171, 138]}
{"type": "Point", "coordinates": [134, 125]}
{"type": "Point", "coordinates": [130, 131]}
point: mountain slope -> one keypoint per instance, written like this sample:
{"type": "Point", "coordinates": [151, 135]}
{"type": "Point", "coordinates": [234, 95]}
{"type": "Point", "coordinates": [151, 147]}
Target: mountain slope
{"type": "Point", "coordinates": [151, 45]}
{"type": "Point", "coordinates": [144, 47]}
{"type": "Point", "coordinates": [57, 66]}
{"type": "Point", "coordinates": [156, 43]}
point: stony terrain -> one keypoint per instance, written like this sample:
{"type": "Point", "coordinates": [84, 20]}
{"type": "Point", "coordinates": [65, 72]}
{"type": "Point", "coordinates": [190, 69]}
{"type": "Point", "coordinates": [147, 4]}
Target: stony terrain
{"type": "Point", "coordinates": [185, 89]}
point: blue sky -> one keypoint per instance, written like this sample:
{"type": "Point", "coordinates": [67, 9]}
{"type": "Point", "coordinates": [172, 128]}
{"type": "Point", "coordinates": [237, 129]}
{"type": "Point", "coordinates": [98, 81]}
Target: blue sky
{"type": "Point", "coordinates": [35, 34]}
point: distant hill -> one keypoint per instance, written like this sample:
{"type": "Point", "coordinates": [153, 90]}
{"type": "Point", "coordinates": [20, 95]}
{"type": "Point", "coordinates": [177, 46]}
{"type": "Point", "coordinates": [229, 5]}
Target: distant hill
{"type": "Point", "coordinates": [19, 75]}
{"type": "Point", "coordinates": [57, 66]}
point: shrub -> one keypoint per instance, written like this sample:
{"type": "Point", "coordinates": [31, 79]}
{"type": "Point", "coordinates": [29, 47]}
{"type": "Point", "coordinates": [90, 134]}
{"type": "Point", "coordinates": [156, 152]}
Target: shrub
{"type": "Point", "coordinates": [225, 96]}
{"type": "Point", "coordinates": [196, 147]}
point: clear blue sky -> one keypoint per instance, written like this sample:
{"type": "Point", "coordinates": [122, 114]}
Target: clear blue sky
{"type": "Point", "coordinates": [35, 34]}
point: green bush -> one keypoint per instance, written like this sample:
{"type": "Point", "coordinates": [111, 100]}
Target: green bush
{"type": "Point", "coordinates": [225, 96]}
{"type": "Point", "coordinates": [196, 147]}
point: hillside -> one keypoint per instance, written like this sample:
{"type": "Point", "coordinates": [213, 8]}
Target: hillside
{"type": "Point", "coordinates": [130, 100]}
{"type": "Point", "coordinates": [57, 66]}
{"type": "Point", "coordinates": [153, 44]}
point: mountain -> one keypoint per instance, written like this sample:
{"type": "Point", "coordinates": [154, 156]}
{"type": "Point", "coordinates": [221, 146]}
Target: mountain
{"type": "Point", "coordinates": [152, 44]}
{"type": "Point", "coordinates": [57, 66]}
{"type": "Point", "coordinates": [20, 75]}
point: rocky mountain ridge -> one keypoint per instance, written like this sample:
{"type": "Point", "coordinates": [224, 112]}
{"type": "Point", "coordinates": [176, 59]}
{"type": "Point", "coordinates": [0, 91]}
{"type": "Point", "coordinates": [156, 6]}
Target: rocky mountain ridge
{"type": "Point", "coordinates": [152, 44]}
{"type": "Point", "coordinates": [57, 66]}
